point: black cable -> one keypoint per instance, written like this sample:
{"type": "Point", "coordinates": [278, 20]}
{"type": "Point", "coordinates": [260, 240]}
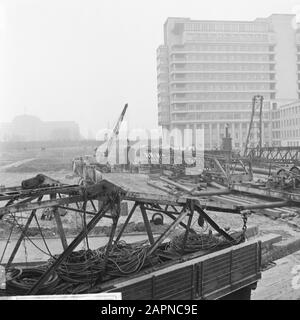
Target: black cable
{"type": "Point", "coordinates": [19, 285]}
{"type": "Point", "coordinates": [41, 232]}
{"type": "Point", "coordinates": [22, 230]}
{"type": "Point", "coordinates": [7, 242]}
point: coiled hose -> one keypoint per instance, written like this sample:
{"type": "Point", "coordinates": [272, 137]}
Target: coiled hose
{"type": "Point", "coordinates": [125, 259]}
{"type": "Point", "coordinates": [24, 280]}
{"type": "Point", "coordinates": [197, 242]}
{"type": "Point", "coordinates": [82, 269]}
{"type": "Point", "coordinates": [80, 266]}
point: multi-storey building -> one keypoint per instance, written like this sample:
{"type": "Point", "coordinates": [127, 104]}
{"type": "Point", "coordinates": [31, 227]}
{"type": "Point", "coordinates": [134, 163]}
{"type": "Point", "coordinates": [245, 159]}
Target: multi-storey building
{"type": "Point", "coordinates": [208, 72]}
{"type": "Point", "coordinates": [286, 125]}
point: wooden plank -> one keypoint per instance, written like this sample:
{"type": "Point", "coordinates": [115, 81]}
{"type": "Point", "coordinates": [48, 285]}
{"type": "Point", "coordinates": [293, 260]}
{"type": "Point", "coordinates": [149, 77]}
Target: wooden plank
{"type": "Point", "coordinates": [178, 185]}
{"type": "Point", "coordinates": [154, 198]}
{"type": "Point", "coordinates": [269, 193]}
{"type": "Point", "coordinates": [174, 291]}
{"type": "Point", "coordinates": [177, 267]}
{"type": "Point", "coordinates": [60, 228]}
{"type": "Point", "coordinates": [159, 187]}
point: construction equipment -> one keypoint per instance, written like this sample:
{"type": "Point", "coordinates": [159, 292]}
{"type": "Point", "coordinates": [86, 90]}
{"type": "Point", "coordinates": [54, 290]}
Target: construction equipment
{"type": "Point", "coordinates": [257, 105]}
{"type": "Point", "coordinates": [100, 155]}
{"type": "Point", "coordinates": [98, 270]}
{"type": "Point", "coordinates": [227, 140]}
{"type": "Point", "coordinates": [39, 181]}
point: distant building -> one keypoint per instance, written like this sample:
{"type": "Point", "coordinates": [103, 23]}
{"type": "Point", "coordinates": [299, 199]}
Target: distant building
{"type": "Point", "coordinates": [286, 125]}
{"type": "Point", "coordinates": [31, 128]}
{"type": "Point", "coordinates": [208, 72]}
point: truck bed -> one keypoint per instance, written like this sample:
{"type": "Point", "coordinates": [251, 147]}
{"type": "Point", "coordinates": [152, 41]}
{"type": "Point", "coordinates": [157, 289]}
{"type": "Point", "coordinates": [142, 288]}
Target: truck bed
{"type": "Point", "coordinates": [212, 276]}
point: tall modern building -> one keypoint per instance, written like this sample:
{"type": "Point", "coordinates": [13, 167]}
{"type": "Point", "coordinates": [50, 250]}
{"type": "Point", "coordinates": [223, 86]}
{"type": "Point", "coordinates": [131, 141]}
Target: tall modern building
{"type": "Point", "coordinates": [208, 72]}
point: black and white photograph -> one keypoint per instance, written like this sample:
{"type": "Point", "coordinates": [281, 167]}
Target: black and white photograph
{"type": "Point", "coordinates": [149, 150]}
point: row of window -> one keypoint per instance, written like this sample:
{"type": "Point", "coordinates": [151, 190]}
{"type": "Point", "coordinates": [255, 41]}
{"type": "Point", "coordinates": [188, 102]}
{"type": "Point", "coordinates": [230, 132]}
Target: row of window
{"type": "Point", "coordinates": [276, 124]}
{"type": "Point", "coordinates": [224, 47]}
{"type": "Point", "coordinates": [276, 135]}
{"type": "Point", "coordinates": [216, 106]}
{"type": "Point", "coordinates": [290, 122]}
{"type": "Point", "coordinates": [218, 96]}
{"type": "Point", "coordinates": [290, 111]}
{"type": "Point", "coordinates": [224, 87]}
{"type": "Point", "coordinates": [223, 57]}
{"type": "Point", "coordinates": [237, 126]}
{"type": "Point", "coordinates": [211, 116]}
{"type": "Point", "coordinates": [215, 37]}
{"type": "Point", "coordinates": [291, 133]}
{"type": "Point", "coordinates": [223, 76]}
{"type": "Point", "coordinates": [221, 67]}
{"type": "Point", "coordinates": [226, 27]}
{"type": "Point", "coordinates": [293, 143]}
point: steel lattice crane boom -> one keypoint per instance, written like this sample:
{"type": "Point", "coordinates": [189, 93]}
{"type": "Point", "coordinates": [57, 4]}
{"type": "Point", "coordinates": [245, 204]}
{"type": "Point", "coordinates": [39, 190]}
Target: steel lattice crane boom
{"type": "Point", "coordinates": [257, 105]}
{"type": "Point", "coordinates": [100, 155]}
{"type": "Point", "coordinates": [115, 131]}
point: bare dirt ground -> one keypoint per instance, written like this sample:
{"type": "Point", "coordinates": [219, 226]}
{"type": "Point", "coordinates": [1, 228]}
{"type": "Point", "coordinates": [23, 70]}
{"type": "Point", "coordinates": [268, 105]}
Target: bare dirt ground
{"type": "Point", "coordinates": [281, 282]}
{"type": "Point", "coordinates": [73, 221]}
{"type": "Point", "coordinates": [276, 283]}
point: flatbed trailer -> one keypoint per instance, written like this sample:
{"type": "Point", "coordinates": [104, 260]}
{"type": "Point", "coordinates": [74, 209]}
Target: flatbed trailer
{"type": "Point", "coordinates": [229, 273]}
{"type": "Point", "coordinates": [201, 275]}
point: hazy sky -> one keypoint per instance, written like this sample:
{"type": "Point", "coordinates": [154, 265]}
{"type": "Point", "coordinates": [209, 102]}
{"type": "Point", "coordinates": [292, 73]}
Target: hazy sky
{"type": "Point", "coordinates": [82, 60]}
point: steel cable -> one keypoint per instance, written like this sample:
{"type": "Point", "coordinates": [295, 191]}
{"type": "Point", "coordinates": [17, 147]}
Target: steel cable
{"type": "Point", "coordinates": [197, 242]}
{"type": "Point", "coordinates": [20, 284]}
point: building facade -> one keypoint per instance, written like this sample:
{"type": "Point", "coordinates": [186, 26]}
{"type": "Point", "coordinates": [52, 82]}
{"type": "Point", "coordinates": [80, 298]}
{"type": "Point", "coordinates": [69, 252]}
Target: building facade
{"type": "Point", "coordinates": [208, 72]}
{"type": "Point", "coordinates": [286, 125]}
{"type": "Point", "coordinates": [31, 128]}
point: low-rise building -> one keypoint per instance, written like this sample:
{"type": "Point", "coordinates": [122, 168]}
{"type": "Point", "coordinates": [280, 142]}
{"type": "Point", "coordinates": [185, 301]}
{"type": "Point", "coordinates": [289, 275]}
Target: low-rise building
{"type": "Point", "coordinates": [31, 128]}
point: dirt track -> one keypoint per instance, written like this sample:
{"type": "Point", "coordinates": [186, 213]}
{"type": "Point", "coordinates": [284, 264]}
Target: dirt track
{"type": "Point", "coordinates": [277, 283]}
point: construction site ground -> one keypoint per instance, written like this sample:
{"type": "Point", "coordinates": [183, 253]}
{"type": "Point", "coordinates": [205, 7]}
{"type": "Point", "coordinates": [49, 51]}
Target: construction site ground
{"type": "Point", "coordinates": [281, 282]}
{"type": "Point", "coordinates": [276, 282]}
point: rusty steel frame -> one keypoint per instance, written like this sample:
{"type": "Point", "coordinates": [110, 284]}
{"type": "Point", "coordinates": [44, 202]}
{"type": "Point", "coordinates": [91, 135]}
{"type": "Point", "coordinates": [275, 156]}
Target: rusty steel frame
{"type": "Point", "coordinates": [111, 201]}
{"type": "Point", "coordinates": [279, 155]}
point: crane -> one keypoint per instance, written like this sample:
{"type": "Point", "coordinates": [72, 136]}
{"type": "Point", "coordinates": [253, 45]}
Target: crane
{"type": "Point", "coordinates": [257, 104]}
{"type": "Point", "coordinates": [115, 133]}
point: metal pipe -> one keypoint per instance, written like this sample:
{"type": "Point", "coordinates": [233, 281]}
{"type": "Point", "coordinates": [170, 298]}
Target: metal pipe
{"type": "Point", "coordinates": [266, 205]}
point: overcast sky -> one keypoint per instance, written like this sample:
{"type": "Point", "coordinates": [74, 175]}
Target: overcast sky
{"type": "Point", "coordinates": [82, 60]}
